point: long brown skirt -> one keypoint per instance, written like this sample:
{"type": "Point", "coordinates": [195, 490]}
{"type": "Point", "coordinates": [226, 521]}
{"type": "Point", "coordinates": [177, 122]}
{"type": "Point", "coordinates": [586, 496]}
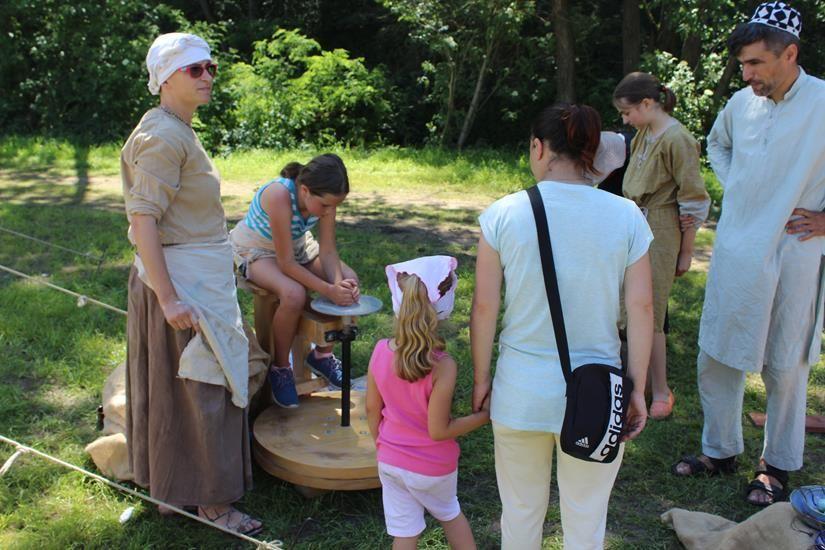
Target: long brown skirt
{"type": "Point", "coordinates": [187, 442]}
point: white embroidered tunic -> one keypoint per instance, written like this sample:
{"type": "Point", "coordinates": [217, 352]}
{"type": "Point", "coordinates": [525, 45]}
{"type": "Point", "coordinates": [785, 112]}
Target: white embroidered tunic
{"type": "Point", "coordinates": [763, 299]}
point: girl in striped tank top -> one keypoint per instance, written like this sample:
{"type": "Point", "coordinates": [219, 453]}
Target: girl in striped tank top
{"type": "Point", "coordinates": [275, 250]}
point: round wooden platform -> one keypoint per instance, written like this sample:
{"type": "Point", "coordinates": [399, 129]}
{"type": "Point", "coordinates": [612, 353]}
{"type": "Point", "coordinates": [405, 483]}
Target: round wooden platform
{"type": "Point", "coordinates": [308, 446]}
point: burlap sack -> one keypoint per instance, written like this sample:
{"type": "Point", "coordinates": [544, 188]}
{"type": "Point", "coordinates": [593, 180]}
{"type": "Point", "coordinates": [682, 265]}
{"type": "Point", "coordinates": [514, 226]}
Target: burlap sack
{"type": "Point", "coordinates": [111, 457]}
{"type": "Point", "coordinates": [114, 401]}
{"type": "Point", "coordinates": [774, 527]}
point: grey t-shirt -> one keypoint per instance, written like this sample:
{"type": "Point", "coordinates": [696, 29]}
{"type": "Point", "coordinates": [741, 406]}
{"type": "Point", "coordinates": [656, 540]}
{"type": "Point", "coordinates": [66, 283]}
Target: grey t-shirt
{"type": "Point", "coordinates": [595, 236]}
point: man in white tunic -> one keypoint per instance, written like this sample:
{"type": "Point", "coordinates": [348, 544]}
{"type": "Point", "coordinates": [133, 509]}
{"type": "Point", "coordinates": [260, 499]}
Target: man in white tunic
{"type": "Point", "coordinates": [763, 300]}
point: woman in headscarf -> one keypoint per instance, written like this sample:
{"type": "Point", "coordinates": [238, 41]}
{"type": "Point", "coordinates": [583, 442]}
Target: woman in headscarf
{"type": "Point", "coordinates": [187, 426]}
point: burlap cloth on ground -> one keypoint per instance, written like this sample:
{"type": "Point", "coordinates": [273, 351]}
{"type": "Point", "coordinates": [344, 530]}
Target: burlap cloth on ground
{"type": "Point", "coordinates": [774, 527]}
{"type": "Point", "coordinates": [109, 452]}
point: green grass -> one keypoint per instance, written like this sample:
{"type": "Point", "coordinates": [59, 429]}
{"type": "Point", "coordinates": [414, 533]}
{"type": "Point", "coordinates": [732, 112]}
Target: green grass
{"type": "Point", "coordinates": [55, 356]}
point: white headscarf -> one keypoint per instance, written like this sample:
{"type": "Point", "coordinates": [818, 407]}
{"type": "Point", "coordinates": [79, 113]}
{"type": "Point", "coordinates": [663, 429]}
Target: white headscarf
{"type": "Point", "coordinates": [172, 51]}
{"type": "Point", "coordinates": [609, 156]}
{"type": "Point", "coordinates": [432, 270]}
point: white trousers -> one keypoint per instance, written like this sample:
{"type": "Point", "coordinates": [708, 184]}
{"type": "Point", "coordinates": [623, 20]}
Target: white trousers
{"type": "Point", "coordinates": [523, 471]}
{"type": "Point", "coordinates": [721, 389]}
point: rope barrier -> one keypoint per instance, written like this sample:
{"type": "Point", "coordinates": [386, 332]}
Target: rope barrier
{"type": "Point", "coordinates": [20, 449]}
{"type": "Point", "coordinates": [82, 299]}
{"type": "Point", "coordinates": [47, 243]}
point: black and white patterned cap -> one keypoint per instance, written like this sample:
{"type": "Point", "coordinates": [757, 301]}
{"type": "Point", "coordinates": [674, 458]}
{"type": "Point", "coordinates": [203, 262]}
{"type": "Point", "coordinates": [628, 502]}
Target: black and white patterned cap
{"type": "Point", "coordinates": [780, 16]}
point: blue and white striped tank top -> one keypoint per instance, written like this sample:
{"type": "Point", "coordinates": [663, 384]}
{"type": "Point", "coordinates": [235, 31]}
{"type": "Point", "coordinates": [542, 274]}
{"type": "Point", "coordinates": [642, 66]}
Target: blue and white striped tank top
{"type": "Point", "coordinates": [258, 220]}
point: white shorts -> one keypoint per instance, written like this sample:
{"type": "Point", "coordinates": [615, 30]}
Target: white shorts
{"type": "Point", "coordinates": [407, 494]}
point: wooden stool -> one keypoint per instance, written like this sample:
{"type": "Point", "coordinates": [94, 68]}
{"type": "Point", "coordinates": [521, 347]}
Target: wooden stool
{"type": "Point", "coordinates": [312, 329]}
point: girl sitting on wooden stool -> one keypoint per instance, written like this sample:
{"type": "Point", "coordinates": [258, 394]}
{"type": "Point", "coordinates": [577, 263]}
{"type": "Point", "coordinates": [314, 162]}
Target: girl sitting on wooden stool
{"type": "Point", "coordinates": [275, 250]}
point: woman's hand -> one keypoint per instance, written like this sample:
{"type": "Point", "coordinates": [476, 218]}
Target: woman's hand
{"type": "Point", "coordinates": [636, 415]}
{"type": "Point", "coordinates": [481, 394]}
{"type": "Point", "coordinates": [341, 293]}
{"type": "Point", "coordinates": [683, 262]}
{"type": "Point", "coordinates": [180, 315]}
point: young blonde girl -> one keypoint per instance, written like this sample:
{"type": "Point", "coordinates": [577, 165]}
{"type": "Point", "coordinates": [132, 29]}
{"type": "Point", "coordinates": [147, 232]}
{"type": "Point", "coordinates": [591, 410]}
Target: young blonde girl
{"type": "Point", "coordinates": [274, 249]}
{"type": "Point", "coordinates": [663, 178]}
{"type": "Point", "coordinates": [409, 396]}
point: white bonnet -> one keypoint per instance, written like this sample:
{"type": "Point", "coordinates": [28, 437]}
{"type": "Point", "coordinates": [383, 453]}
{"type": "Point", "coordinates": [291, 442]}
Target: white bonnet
{"type": "Point", "coordinates": [609, 156]}
{"type": "Point", "coordinates": [169, 52]}
{"type": "Point", "coordinates": [433, 271]}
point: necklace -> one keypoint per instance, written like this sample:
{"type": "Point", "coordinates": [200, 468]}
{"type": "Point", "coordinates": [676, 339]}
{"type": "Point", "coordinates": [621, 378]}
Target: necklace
{"type": "Point", "coordinates": [170, 112]}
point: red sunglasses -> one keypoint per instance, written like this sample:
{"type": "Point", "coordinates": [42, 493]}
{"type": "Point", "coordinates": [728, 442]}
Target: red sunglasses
{"type": "Point", "coordinates": [196, 71]}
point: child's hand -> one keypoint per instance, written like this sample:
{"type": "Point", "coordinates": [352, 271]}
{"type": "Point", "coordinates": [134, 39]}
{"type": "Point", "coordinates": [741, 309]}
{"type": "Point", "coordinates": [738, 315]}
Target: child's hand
{"type": "Point", "coordinates": [353, 285]}
{"type": "Point", "coordinates": [683, 263]}
{"type": "Point", "coordinates": [341, 293]}
{"type": "Point", "coordinates": [687, 221]}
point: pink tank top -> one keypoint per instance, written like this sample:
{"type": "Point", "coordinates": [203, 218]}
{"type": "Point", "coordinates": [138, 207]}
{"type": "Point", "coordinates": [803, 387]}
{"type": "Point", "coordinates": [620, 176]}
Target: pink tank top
{"type": "Point", "coordinates": [403, 438]}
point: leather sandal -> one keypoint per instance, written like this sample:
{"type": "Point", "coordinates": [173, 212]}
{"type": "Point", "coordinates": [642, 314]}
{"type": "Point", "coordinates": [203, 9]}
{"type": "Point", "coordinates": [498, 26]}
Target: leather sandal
{"type": "Point", "coordinates": [698, 467]}
{"type": "Point", "coordinates": [245, 525]}
{"type": "Point", "coordinates": [775, 493]}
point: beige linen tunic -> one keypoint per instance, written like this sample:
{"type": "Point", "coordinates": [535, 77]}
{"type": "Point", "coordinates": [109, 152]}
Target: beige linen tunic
{"type": "Point", "coordinates": [663, 177]}
{"type": "Point", "coordinates": [167, 174]}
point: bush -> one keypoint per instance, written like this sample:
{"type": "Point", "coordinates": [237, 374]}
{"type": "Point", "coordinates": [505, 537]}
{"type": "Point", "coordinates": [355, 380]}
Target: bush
{"type": "Point", "coordinates": [295, 93]}
{"type": "Point", "coordinates": [76, 68]}
{"type": "Point", "coordinates": [694, 98]}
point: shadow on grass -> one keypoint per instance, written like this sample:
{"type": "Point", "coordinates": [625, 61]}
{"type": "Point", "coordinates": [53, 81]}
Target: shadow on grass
{"type": "Point", "coordinates": [56, 357]}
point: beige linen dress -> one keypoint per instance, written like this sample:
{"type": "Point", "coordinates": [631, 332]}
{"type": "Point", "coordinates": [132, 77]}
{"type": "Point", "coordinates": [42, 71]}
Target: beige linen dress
{"type": "Point", "coordinates": [663, 178]}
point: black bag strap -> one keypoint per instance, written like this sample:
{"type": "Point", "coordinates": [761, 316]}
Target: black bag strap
{"type": "Point", "coordinates": [551, 285]}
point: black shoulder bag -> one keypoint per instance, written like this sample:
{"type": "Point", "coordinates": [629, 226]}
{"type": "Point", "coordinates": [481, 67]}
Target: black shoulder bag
{"type": "Point", "coordinates": [597, 395]}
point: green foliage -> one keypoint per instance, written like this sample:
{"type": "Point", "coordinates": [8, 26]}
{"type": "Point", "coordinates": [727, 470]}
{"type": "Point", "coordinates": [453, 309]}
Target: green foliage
{"type": "Point", "coordinates": [694, 98]}
{"type": "Point", "coordinates": [76, 68]}
{"type": "Point", "coordinates": [293, 93]}
{"type": "Point", "coordinates": [466, 49]}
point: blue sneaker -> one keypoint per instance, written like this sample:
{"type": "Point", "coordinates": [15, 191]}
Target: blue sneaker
{"type": "Point", "coordinates": [328, 367]}
{"type": "Point", "coordinates": [282, 382]}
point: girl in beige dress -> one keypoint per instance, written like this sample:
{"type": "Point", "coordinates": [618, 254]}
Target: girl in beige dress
{"type": "Point", "coordinates": [663, 178]}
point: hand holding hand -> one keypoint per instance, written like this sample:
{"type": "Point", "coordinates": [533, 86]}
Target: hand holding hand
{"type": "Point", "coordinates": [481, 394]}
{"type": "Point", "coordinates": [811, 224]}
{"type": "Point", "coordinates": [180, 315]}
{"type": "Point", "coordinates": [636, 416]}
{"type": "Point", "coordinates": [683, 263]}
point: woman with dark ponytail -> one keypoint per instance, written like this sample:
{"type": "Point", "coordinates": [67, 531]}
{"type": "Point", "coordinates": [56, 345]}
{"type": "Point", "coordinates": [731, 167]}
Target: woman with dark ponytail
{"type": "Point", "coordinates": [600, 244]}
{"type": "Point", "coordinates": [663, 178]}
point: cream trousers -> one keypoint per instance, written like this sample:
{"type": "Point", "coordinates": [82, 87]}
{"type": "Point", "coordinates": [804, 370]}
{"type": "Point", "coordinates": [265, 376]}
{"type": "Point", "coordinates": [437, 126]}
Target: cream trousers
{"type": "Point", "coordinates": [523, 470]}
{"type": "Point", "coordinates": [722, 388]}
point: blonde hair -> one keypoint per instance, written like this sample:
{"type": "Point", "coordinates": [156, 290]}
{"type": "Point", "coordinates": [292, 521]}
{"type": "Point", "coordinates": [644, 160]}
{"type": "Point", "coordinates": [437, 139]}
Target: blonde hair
{"type": "Point", "coordinates": [416, 326]}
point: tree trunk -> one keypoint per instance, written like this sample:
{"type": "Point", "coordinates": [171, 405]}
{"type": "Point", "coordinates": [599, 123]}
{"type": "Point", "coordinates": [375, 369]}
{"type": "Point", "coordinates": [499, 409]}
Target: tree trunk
{"type": "Point", "coordinates": [473, 109]}
{"type": "Point", "coordinates": [631, 36]}
{"type": "Point", "coordinates": [720, 92]}
{"type": "Point", "coordinates": [207, 13]}
{"type": "Point", "coordinates": [692, 51]}
{"type": "Point", "coordinates": [565, 54]}
{"type": "Point", "coordinates": [450, 104]}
